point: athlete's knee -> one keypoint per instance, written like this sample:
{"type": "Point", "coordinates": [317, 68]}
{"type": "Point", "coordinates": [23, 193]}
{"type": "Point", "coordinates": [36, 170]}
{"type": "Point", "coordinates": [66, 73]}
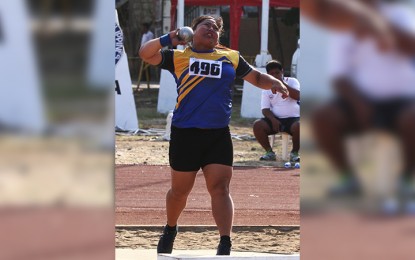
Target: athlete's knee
{"type": "Point", "coordinates": [219, 189]}
{"type": "Point", "coordinates": [178, 194]}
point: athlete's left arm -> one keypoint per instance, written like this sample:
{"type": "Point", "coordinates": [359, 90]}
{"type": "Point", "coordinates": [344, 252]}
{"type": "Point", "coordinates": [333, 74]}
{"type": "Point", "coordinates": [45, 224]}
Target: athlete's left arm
{"type": "Point", "coordinates": [265, 81]}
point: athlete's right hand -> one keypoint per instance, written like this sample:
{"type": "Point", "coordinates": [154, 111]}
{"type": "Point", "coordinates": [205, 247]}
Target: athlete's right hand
{"type": "Point", "coordinates": [175, 39]}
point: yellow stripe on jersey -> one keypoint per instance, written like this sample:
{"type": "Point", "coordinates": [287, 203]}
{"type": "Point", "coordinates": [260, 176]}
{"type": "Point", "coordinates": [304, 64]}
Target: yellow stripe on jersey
{"type": "Point", "coordinates": [232, 55]}
{"type": "Point", "coordinates": [184, 81]}
{"type": "Point", "coordinates": [181, 63]}
{"type": "Point", "coordinates": [184, 94]}
{"type": "Point", "coordinates": [184, 71]}
{"type": "Point", "coordinates": [188, 83]}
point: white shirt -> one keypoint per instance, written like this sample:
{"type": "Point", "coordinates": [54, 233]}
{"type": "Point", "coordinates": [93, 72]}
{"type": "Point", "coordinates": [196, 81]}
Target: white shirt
{"type": "Point", "coordinates": [379, 75]}
{"type": "Point", "coordinates": [282, 107]}
{"type": "Point", "coordinates": [146, 37]}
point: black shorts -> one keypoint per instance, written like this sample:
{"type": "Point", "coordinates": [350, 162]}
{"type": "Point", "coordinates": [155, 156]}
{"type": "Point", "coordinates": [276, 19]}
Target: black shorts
{"type": "Point", "coordinates": [285, 124]}
{"type": "Point", "coordinates": [385, 113]}
{"type": "Point", "coordinates": [193, 148]}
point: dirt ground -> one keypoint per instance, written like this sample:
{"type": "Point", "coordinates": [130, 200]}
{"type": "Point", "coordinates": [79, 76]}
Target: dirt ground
{"type": "Point", "coordinates": [280, 240]}
{"type": "Point", "coordinates": [149, 148]}
{"type": "Point", "coordinates": [153, 150]}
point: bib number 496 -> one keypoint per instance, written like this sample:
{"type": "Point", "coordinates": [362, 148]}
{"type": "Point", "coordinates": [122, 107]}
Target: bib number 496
{"type": "Point", "coordinates": [205, 68]}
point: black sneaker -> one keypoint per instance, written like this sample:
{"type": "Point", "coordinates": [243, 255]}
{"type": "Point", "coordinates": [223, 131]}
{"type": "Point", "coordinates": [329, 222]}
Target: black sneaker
{"type": "Point", "coordinates": [268, 156]}
{"type": "Point", "coordinates": [224, 248]}
{"type": "Point", "coordinates": [294, 157]}
{"type": "Point", "coordinates": [166, 241]}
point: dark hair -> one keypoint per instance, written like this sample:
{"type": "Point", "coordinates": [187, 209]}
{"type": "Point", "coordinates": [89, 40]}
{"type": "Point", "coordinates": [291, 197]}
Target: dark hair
{"type": "Point", "coordinates": [218, 21]}
{"type": "Point", "coordinates": [146, 26]}
{"type": "Point", "coordinates": [273, 64]}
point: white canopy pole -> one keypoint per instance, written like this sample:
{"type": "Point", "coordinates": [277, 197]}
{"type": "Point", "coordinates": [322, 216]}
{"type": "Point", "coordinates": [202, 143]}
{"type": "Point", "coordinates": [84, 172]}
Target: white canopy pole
{"type": "Point", "coordinates": [180, 18]}
{"type": "Point", "coordinates": [167, 92]}
{"type": "Point", "coordinates": [263, 57]}
{"type": "Point", "coordinates": [251, 96]}
{"type": "Point", "coordinates": [264, 27]}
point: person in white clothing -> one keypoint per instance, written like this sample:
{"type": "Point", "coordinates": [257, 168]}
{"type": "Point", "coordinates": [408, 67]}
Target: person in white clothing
{"type": "Point", "coordinates": [374, 89]}
{"type": "Point", "coordinates": [147, 34]}
{"type": "Point", "coordinates": [280, 114]}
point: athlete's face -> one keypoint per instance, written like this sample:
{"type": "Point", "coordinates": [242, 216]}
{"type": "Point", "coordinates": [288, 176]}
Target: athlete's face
{"type": "Point", "coordinates": [207, 33]}
{"type": "Point", "coordinates": [276, 73]}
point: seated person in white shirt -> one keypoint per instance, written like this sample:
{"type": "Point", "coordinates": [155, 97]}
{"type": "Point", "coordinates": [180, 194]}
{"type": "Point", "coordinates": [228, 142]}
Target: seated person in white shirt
{"type": "Point", "coordinates": [280, 115]}
{"type": "Point", "coordinates": [147, 34]}
{"type": "Point", "coordinates": [374, 92]}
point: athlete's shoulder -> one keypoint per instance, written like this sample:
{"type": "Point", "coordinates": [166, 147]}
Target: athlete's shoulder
{"type": "Point", "coordinates": [185, 51]}
{"type": "Point", "coordinates": [224, 49]}
{"type": "Point", "coordinates": [231, 55]}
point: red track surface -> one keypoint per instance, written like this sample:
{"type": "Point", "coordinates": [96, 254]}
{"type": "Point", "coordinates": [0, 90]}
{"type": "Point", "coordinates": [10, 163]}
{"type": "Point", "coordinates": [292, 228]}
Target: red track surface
{"type": "Point", "coordinates": [262, 196]}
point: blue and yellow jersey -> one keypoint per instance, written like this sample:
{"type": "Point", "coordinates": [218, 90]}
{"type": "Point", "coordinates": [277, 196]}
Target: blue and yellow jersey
{"type": "Point", "coordinates": [204, 85]}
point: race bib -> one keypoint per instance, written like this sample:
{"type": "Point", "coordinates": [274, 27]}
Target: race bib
{"type": "Point", "coordinates": [205, 68]}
